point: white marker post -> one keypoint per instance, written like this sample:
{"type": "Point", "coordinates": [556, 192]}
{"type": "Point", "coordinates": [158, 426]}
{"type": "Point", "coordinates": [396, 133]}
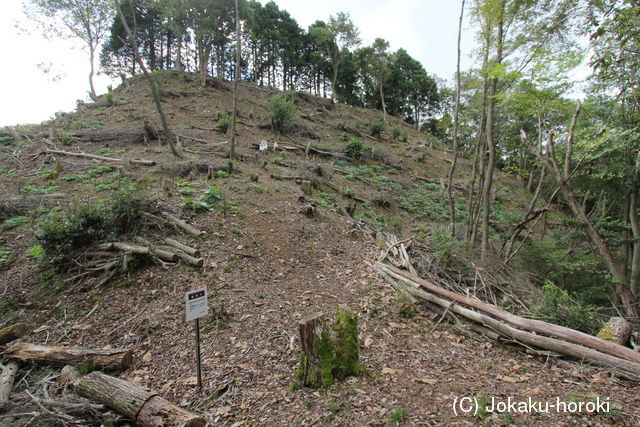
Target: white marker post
{"type": "Point", "coordinates": [197, 307]}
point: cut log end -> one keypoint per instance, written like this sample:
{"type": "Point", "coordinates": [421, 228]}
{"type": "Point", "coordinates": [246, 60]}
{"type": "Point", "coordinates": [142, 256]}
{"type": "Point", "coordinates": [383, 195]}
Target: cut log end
{"type": "Point", "coordinates": [13, 332]}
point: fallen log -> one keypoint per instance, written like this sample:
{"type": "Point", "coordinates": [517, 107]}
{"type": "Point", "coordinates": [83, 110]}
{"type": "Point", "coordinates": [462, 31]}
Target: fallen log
{"type": "Point", "coordinates": [101, 158]}
{"type": "Point", "coordinates": [181, 246]}
{"type": "Point", "coordinates": [190, 229]}
{"type": "Point", "coordinates": [533, 325]}
{"type": "Point", "coordinates": [145, 407]}
{"type": "Point", "coordinates": [624, 367]}
{"type": "Point", "coordinates": [7, 378]}
{"type": "Point", "coordinates": [20, 205]}
{"type": "Point", "coordinates": [123, 137]}
{"type": "Point", "coordinates": [12, 332]}
{"type": "Point", "coordinates": [109, 360]}
{"type": "Point", "coordinates": [309, 148]}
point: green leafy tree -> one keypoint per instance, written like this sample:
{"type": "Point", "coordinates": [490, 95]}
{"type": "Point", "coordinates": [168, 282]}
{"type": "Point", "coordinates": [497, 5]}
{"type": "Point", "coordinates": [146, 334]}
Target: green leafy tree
{"type": "Point", "coordinates": [87, 20]}
{"type": "Point", "coordinates": [334, 40]}
{"type": "Point", "coordinates": [150, 32]}
{"type": "Point", "coordinates": [375, 66]}
{"type": "Point", "coordinates": [412, 93]}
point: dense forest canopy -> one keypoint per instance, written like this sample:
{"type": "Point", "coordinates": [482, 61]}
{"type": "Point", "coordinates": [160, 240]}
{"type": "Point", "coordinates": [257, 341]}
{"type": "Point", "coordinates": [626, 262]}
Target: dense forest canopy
{"type": "Point", "coordinates": [516, 113]}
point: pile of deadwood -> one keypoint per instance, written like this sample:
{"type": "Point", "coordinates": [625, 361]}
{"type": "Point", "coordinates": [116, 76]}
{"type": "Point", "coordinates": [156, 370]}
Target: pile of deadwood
{"type": "Point", "coordinates": [396, 267]}
{"type": "Point", "coordinates": [48, 401]}
{"type": "Point", "coordinates": [150, 242]}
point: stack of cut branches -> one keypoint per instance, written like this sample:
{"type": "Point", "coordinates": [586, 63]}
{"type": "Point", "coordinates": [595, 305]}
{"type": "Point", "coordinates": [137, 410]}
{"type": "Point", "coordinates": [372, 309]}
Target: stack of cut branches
{"type": "Point", "coordinates": [489, 281]}
{"type": "Point", "coordinates": [148, 241]}
{"type": "Point", "coordinates": [496, 323]}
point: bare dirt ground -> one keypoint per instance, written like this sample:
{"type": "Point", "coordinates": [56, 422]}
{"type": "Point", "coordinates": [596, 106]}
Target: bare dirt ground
{"type": "Point", "coordinates": [266, 267]}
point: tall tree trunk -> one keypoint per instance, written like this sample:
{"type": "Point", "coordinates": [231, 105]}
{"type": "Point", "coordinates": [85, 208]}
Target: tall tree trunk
{"type": "Point", "coordinates": [456, 116]}
{"type": "Point", "coordinates": [635, 229]}
{"type": "Point", "coordinates": [478, 159]}
{"type": "Point", "coordinates": [232, 144]}
{"type": "Point", "coordinates": [179, 53]}
{"type": "Point", "coordinates": [152, 84]}
{"type": "Point", "coordinates": [92, 94]}
{"type": "Point", "coordinates": [384, 104]}
{"type": "Point", "coordinates": [334, 79]}
{"type": "Point", "coordinates": [491, 143]}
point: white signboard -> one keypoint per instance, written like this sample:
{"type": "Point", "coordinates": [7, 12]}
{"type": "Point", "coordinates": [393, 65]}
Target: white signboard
{"type": "Point", "coordinates": [197, 306]}
{"type": "Point", "coordinates": [263, 145]}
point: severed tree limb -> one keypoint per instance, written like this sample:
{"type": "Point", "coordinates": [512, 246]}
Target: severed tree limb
{"type": "Point", "coordinates": [145, 407]}
{"type": "Point", "coordinates": [12, 332]}
{"type": "Point", "coordinates": [181, 246]}
{"type": "Point", "coordinates": [198, 262]}
{"type": "Point", "coordinates": [102, 158]}
{"type": "Point", "coordinates": [141, 250]}
{"type": "Point", "coordinates": [182, 224]}
{"type": "Point", "coordinates": [110, 360]}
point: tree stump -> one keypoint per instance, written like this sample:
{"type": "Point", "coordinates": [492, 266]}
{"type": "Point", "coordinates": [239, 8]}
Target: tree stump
{"type": "Point", "coordinates": [617, 330]}
{"type": "Point", "coordinates": [306, 187]}
{"type": "Point", "coordinates": [146, 407]}
{"type": "Point", "coordinates": [329, 352]}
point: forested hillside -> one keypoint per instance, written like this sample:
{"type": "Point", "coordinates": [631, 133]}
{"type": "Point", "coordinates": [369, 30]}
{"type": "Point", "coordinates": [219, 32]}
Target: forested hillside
{"type": "Point", "coordinates": [471, 234]}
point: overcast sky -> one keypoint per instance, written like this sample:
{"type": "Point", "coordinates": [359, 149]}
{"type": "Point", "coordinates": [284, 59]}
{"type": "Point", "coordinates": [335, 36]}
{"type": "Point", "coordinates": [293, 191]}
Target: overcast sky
{"type": "Point", "coordinates": [427, 29]}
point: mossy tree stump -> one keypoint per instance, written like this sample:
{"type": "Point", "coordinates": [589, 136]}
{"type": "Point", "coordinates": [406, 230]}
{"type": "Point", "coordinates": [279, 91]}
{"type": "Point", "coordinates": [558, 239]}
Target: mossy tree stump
{"type": "Point", "coordinates": [329, 352]}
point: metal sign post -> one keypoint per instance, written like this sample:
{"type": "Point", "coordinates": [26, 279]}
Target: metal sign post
{"type": "Point", "coordinates": [197, 307]}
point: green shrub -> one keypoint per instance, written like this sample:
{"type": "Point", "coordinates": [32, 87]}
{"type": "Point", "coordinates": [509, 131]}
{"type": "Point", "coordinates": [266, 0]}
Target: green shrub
{"type": "Point", "coordinates": [36, 190]}
{"type": "Point", "coordinates": [223, 123]}
{"type": "Point", "coordinates": [399, 133]}
{"type": "Point", "coordinates": [36, 251]}
{"type": "Point", "coordinates": [12, 223]}
{"type": "Point", "coordinates": [87, 222]}
{"type": "Point", "coordinates": [354, 149]}
{"type": "Point", "coordinates": [376, 129]}
{"type": "Point", "coordinates": [65, 138]}
{"type": "Point", "coordinates": [205, 202]}
{"type": "Point", "coordinates": [4, 256]}
{"type": "Point", "coordinates": [108, 99]}
{"type": "Point", "coordinates": [280, 159]}
{"type": "Point", "coordinates": [281, 111]}
{"type": "Point", "coordinates": [398, 415]}
{"type": "Point", "coordinates": [445, 244]}
{"type": "Point", "coordinates": [343, 137]}
{"type": "Point", "coordinates": [558, 307]}
{"type": "Point", "coordinates": [403, 305]}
